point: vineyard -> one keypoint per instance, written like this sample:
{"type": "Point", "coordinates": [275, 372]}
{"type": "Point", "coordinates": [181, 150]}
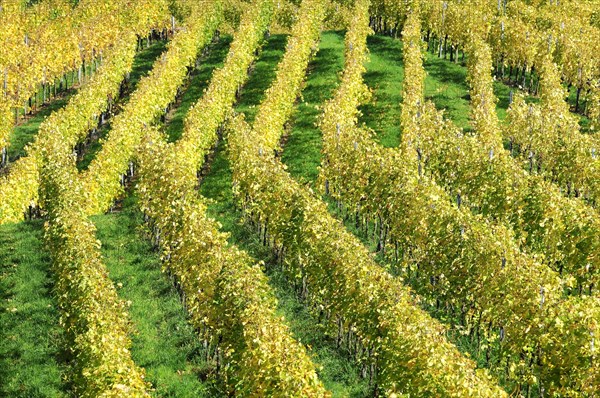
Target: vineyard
{"type": "Point", "coordinates": [303, 198]}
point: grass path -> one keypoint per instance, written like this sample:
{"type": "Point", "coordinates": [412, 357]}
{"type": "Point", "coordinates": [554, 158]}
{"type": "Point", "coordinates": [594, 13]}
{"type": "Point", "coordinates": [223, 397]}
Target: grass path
{"type": "Point", "coordinates": [302, 152]}
{"type": "Point", "coordinates": [164, 342]}
{"type": "Point", "coordinates": [25, 132]}
{"type": "Point", "coordinates": [384, 78]}
{"type": "Point", "coordinates": [28, 125]}
{"type": "Point", "coordinates": [30, 335]}
{"type": "Point", "coordinates": [31, 338]}
{"type": "Point", "coordinates": [445, 86]}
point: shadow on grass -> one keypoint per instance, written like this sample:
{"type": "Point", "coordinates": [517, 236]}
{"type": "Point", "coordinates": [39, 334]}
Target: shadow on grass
{"type": "Point", "coordinates": [384, 76]}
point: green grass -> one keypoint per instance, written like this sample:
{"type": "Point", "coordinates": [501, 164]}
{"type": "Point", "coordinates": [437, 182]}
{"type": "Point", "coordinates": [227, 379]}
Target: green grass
{"type": "Point", "coordinates": [31, 363]}
{"type": "Point", "coordinates": [382, 73]}
{"type": "Point", "coordinates": [142, 65]}
{"type": "Point", "coordinates": [384, 76]}
{"type": "Point", "coordinates": [199, 78]}
{"type": "Point", "coordinates": [31, 340]}
{"type": "Point", "coordinates": [445, 85]}
{"type": "Point", "coordinates": [68, 88]}
{"type": "Point", "coordinates": [30, 337]}
{"type": "Point", "coordinates": [338, 373]}
{"type": "Point", "coordinates": [165, 344]}
{"type": "Point", "coordinates": [302, 152]}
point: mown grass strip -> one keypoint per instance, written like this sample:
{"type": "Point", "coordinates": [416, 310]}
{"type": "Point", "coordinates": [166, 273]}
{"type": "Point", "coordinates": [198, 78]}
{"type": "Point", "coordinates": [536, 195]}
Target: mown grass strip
{"type": "Point", "coordinates": [164, 344]}
{"type": "Point", "coordinates": [25, 132]}
{"type": "Point", "coordinates": [302, 152]}
{"type": "Point", "coordinates": [31, 355]}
